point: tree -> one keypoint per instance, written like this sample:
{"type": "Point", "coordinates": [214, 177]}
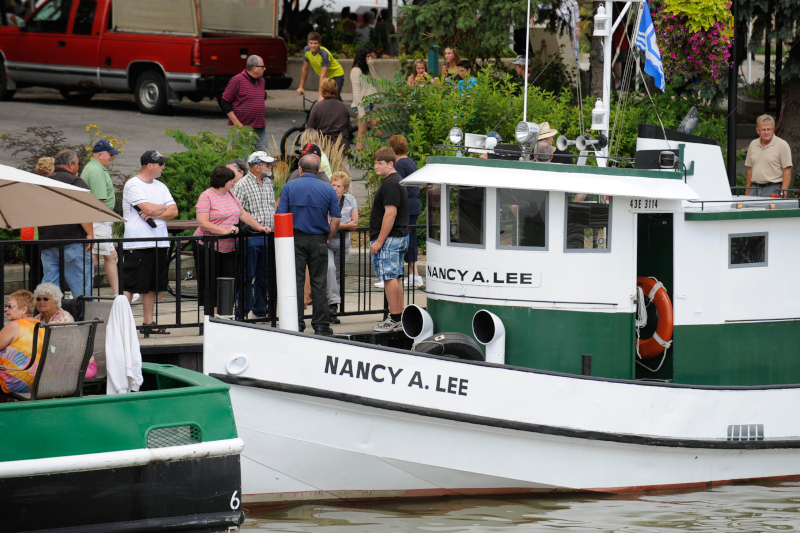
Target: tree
{"type": "Point", "coordinates": [479, 28]}
{"type": "Point", "coordinates": [779, 19]}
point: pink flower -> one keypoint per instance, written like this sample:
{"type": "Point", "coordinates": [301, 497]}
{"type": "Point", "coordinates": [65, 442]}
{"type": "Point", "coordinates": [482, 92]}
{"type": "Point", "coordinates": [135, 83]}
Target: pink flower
{"type": "Point", "coordinates": [672, 55]}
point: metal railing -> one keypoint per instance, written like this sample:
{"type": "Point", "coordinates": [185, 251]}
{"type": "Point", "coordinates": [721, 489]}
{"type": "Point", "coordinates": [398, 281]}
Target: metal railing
{"type": "Point", "coordinates": [181, 297]}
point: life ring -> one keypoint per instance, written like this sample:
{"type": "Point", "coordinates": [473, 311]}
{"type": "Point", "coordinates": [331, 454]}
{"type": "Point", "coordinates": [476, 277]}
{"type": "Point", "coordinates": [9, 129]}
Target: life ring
{"type": "Point", "coordinates": [451, 344]}
{"type": "Point", "coordinates": [662, 338]}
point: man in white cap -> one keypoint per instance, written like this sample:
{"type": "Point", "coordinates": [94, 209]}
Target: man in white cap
{"type": "Point", "coordinates": [257, 194]}
{"type": "Point", "coordinates": [559, 156]}
{"type": "Point", "coordinates": [519, 64]}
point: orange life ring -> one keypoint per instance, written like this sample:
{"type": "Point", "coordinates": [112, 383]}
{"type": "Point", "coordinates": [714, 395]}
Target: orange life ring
{"type": "Point", "coordinates": [662, 338]}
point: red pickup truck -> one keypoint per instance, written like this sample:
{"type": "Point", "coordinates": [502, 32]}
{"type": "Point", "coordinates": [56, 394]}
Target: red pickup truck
{"type": "Point", "coordinates": [160, 51]}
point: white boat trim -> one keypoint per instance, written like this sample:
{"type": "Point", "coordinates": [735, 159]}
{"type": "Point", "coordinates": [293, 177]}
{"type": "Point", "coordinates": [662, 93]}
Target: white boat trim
{"type": "Point", "coordinates": [120, 459]}
{"type": "Point", "coordinates": [541, 179]}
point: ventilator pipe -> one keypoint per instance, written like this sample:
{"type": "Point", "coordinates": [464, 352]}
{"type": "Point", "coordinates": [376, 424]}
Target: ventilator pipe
{"type": "Point", "coordinates": [490, 331]}
{"type": "Point", "coordinates": [285, 275]}
{"type": "Point", "coordinates": [417, 323]}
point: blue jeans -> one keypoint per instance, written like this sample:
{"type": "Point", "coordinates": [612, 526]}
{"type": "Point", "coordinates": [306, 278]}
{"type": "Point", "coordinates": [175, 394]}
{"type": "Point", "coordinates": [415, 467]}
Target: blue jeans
{"type": "Point", "coordinates": [261, 143]}
{"type": "Point", "coordinates": [255, 287]}
{"type": "Point", "coordinates": [77, 268]}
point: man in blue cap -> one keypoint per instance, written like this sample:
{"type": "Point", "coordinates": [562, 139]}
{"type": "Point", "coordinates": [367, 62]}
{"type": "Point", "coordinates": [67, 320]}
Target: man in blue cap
{"type": "Point", "coordinates": [98, 178]}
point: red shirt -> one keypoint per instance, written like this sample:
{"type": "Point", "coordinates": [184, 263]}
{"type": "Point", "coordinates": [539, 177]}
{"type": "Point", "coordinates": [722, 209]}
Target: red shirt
{"type": "Point", "coordinates": [246, 96]}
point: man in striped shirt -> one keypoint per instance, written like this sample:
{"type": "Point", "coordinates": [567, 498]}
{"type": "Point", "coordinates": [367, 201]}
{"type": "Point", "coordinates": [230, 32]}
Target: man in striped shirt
{"type": "Point", "coordinates": [244, 97]}
{"type": "Point", "coordinates": [257, 195]}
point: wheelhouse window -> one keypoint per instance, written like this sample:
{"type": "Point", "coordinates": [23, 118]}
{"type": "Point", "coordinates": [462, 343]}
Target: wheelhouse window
{"type": "Point", "coordinates": [434, 213]}
{"type": "Point", "coordinates": [747, 250]}
{"type": "Point", "coordinates": [466, 212]}
{"type": "Point", "coordinates": [51, 18]}
{"type": "Point", "coordinates": [588, 223]}
{"type": "Point", "coordinates": [522, 219]}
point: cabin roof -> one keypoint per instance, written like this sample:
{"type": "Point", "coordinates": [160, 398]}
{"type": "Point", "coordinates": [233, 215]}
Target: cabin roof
{"type": "Point", "coordinates": [552, 177]}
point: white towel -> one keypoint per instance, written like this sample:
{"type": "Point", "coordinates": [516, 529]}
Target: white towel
{"type": "Point", "coordinates": [123, 357]}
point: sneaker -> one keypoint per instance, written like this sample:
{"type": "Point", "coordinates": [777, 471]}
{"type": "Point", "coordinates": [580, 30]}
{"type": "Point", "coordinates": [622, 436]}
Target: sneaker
{"type": "Point", "coordinates": [388, 325]}
{"type": "Point", "coordinates": [379, 284]}
{"type": "Point", "coordinates": [418, 281]}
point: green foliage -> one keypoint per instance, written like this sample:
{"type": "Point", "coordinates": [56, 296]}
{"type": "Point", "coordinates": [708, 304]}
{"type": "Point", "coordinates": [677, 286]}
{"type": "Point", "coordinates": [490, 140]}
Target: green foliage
{"type": "Point", "coordinates": [425, 114]}
{"type": "Point", "coordinates": [187, 174]}
{"type": "Point", "coordinates": [701, 14]}
{"type": "Point", "coordinates": [455, 23]}
{"type": "Point", "coordinates": [781, 17]}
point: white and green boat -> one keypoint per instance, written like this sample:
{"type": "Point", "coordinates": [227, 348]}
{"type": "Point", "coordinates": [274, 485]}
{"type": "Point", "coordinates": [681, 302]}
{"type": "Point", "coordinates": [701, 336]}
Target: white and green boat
{"type": "Point", "coordinates": [162, 459]}
{"type": "Point", "coordinates": [551, 267]}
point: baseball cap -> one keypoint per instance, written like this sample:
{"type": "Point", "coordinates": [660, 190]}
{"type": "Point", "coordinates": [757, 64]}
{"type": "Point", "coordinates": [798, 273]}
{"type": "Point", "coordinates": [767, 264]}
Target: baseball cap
{"type": "Point", "coordinates": [260, 157]}
{"type": "Point", "coordinates": [153, 156]}
{"type": "Point", "coordinates": [310, 148]}
{"type": "Point", "coordinates": [104, 146]}
{"type": "Point", "coordinates": [520, 60]}
{"type": "Point", "coordinates": [495, 135]}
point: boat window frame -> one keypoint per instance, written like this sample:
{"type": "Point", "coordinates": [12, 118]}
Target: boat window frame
{"type": "Point", "coordinates": [483, 217]}
{"type": "Point", "coordinates": [607, 249]}
{"type": "Point", "coordinates": [764, 234]}
{"type": "Point", "coordinates": [546, 217]}
{"type": "Point", "coordinates": [428, 218]}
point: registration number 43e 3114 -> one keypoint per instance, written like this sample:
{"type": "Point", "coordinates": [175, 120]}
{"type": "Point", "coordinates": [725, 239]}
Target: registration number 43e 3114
{"type": "Point", "coordinates": [644, 203]}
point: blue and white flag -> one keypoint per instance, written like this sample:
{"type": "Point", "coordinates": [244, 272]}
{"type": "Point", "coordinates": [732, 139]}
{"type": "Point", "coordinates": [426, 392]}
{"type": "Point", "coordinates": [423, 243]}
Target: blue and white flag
{"type": "Point", "coordinates": [646, 42]}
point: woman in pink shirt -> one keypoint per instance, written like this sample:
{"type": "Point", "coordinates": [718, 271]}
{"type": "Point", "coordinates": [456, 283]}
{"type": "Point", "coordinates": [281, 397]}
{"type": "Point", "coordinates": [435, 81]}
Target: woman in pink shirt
{"type": "Point", "coordinates": [218, 212]}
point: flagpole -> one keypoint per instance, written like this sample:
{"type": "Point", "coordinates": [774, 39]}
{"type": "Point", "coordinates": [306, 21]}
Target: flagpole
{"type": "Point", "coordinates": [607, 45]}
{"type": "Point", "coordinates": [525, 74]}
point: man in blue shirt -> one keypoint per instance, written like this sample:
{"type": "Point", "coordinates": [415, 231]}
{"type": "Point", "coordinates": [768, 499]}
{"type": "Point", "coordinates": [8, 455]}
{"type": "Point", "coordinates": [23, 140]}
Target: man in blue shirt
{"type": "Point", "coordinates": [311, 202]}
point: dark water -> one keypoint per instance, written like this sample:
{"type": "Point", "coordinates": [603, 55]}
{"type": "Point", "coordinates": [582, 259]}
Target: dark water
{"type": "Point", "coordinates": [774, 507]}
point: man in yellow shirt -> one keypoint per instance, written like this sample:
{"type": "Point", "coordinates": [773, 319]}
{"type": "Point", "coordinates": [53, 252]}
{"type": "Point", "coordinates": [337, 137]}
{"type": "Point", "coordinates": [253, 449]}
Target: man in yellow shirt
{"type": "Point", "coordinates": [769, 160]}
{"type": "Point", "coordinates": [323, 64]}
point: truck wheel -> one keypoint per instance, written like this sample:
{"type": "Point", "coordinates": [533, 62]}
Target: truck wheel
{"type": "Point", "coordinates": [290, 141]}
{"type": "Point", "coordinates": [5, 93]}
{"type": "Point", "coordinates": [76, 97]}
{"type": "Point", "coordinates": [150, 93]}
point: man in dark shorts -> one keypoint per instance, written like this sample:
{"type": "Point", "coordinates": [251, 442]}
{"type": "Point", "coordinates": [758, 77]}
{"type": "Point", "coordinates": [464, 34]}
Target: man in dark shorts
{"type": "Point", "coordinates": [146, 201]}
{"type": "Point", "coordinates": [388, 235]}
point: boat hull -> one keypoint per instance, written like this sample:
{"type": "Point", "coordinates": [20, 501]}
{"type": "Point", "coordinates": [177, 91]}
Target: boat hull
{"type": "Point", "coordinates": [319, 428]}
{"type": "Point", "coordinates": [186, 495]}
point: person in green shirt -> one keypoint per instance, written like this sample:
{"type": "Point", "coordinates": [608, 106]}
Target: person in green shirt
{"type": "Point", "coordinates": [323, 63]}
{"type": "Point", "coordinates": [97, 177]}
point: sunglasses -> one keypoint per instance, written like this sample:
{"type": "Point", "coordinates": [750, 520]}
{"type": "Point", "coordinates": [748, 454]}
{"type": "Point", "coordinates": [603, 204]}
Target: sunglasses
{"type": "Point", "coordinates": [9, 306]}
{"type": "Point", "coordinates": [40, 298]}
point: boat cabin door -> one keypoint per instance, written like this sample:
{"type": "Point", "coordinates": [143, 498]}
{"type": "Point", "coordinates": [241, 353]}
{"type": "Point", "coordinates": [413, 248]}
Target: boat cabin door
{"type": "Point", "coordinates": [654, 258]}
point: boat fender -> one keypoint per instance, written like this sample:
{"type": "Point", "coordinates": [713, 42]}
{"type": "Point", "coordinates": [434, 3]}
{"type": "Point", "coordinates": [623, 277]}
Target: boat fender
{"type": "Point", "coordinates": [662, 338]}
{"type": "Point", "coordinates": [451, 344]}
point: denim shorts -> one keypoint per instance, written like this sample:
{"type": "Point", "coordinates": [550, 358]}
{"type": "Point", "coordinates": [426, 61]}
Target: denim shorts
{"type": "Point", "coordinates": [388, 263]}
{"type": "Point", "coordinates": [367, 109]}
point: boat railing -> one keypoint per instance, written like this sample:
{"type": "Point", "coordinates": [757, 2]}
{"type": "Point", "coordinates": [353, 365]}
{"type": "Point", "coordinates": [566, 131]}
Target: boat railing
{"type": "Point", "coordinates": [513, 152]}
{"type": "Point", "coordinates": [177, 307]}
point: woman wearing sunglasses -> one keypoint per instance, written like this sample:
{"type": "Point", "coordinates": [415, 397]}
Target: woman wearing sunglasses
{"type": "Point", "coordinates": [16, 343]}
{"type": "Point", "coordinates": [48, 304]}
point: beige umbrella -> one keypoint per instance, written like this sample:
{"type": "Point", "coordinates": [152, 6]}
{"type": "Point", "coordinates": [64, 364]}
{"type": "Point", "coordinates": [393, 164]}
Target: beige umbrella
{"type": "Point", "coordinates": [30, 200]}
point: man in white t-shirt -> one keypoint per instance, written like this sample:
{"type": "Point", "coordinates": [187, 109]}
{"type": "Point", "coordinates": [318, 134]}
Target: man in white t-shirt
{"type": "Point", "coordinates": [146, 205]}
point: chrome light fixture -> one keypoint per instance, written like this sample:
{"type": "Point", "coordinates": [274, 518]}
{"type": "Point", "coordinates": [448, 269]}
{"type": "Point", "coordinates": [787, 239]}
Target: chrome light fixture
{"type": "Point", "coordinates": [455, 135]}
{"type": "Point", "coordinates": [526, 133]}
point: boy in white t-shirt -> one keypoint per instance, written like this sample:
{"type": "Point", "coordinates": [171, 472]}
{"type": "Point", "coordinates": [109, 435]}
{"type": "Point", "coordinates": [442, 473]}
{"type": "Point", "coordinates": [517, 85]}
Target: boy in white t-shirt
{"type": "Point", "coordinates": [146, 205]}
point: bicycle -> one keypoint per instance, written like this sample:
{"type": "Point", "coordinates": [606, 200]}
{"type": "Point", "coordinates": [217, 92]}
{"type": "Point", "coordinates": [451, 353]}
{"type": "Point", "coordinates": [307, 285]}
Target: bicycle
{"type": "Point", "coordinates": [290, 142]}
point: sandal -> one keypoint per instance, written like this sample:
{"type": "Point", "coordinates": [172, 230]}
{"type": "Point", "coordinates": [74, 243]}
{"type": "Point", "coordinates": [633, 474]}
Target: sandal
{"type": "Point", "coordinates": [155, 329]}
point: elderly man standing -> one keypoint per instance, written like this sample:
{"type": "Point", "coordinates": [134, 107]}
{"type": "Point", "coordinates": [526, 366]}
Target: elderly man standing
{"type": "Point", "coordinates": [146, 205]}
{"type": "Point", "coordinates": [311, 202]}
{"type": "Point", "coordinates": [256, 193]}
{"type": "Point", "coordinates": [244, 97]}
{"type": "Point", "coordinates": [97, 177]}
{"type": "Point", "coordinates": [77, 259]}
{"type": "Point", "coordinates": [769, 160]}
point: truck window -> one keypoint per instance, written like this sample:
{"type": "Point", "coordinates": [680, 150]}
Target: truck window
{"type": "Point", "coordinates": [84, 17]}
{"type": "Point", "coordinates": [51, 18]}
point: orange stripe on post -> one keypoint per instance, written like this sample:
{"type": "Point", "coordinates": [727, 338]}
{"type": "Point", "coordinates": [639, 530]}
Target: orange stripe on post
{"type": "Point", "coordinates": [284, 226]}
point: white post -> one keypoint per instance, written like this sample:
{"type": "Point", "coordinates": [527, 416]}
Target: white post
{"type": "Point", "coordinates": [285, 272]}
{"type": "Point", "coordinates": [525, 74]}
{"type": "Point", "coordinates": [607, 46]}
{"type": "Point", "coordinates": [749, 56]}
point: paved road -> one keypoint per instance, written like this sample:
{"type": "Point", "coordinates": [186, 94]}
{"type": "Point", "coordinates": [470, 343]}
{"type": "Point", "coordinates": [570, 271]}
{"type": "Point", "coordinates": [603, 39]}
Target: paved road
{"type": "Point", "coordinates": [117, 115]}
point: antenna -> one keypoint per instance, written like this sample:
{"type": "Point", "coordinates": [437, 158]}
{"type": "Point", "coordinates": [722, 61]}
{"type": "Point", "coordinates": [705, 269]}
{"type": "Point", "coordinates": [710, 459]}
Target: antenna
{"type": "Point", "coordinates": [525, 74]}
{"type": "Point", "coordinates": [562, 143]}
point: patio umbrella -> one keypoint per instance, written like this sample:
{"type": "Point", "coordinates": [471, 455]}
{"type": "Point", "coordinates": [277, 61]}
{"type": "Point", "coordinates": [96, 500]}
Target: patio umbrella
{"type": "Point", "coordinates": [30, 200]}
